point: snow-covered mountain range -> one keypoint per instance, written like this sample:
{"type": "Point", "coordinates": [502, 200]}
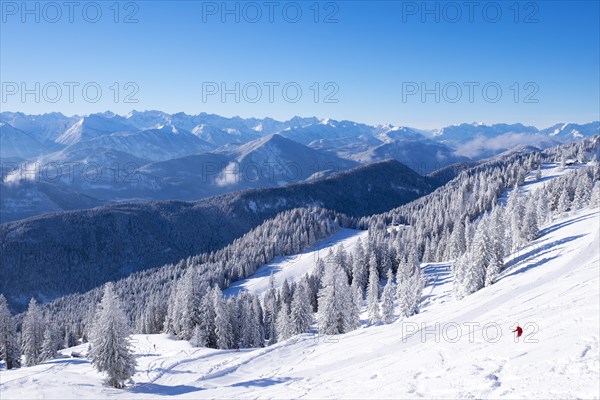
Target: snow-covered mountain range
{"type": "Point", "coordinates": [213, 131]}
{"type": "Point", "coordinates": [151, 155]}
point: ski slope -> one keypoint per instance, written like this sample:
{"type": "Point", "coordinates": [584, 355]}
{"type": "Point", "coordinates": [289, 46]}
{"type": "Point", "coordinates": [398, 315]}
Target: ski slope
{"type": "Point", "coordinates": [294, 267]}
{"type": "Point", "coordinates": [551, 288]}
{"type": "Point", "coordinates": [549, 171]}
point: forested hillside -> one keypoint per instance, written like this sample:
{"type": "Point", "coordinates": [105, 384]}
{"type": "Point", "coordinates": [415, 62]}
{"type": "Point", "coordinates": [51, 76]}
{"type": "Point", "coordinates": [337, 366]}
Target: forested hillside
{"type": "Point", "coordinates": [56, 254]}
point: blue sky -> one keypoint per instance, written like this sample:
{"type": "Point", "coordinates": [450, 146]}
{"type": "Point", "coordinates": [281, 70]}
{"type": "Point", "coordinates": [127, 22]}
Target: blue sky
{"type": "Point", "coordinates": [369, 62]}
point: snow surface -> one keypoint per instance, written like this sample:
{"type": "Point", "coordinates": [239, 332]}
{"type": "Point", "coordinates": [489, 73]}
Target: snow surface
{"type": "Point", "coordinates": [549, 172]}
{"type": "Point", "coordinates": [551, 288]}
{"type": "Point", "coordinates": [294, 267]}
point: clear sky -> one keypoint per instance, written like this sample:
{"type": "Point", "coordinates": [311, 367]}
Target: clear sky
{"type": "Point", "coordinates": [362, 61]}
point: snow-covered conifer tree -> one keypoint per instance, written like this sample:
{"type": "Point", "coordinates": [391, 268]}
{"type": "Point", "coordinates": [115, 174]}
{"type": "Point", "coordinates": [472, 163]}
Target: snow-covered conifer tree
{"type": "Point", "coordinates": [252, 335]}
{"type": "Point", "coordinates": [409, 286]}
{"type": "Point", "coordinates": [478, 260]}
{"type": "Point", "coordinates": [50, 342]}
{"type": "Point", "coordinates": [32, 336]}
{"type": "Point", "coordinates": [387, 304]}
{"type": "Point", "coordinates": [564, 202]}
{"type": "Point", "coordinates": [334, 314]}
{"type": "Point", "coordinates": [111, 351]}
{"type": "Point", "coordinates": [206, 323]}
{"type": "Point", "coordinates": [223, 328]}
{"type": "Point", "coordinates": [582, 191]}
{"type": "Point", "coordinates": [373, 291]}
{"type": "Point", "coordinates": [284, 323]}
{"type": "Point", "coordinates": [359, 266]}
{"type": "Point", "coordinates": [538, 172]}
{"type": "Point", "coordinates": [286, 293]}
{"type": "Point", "coordinates": [270, 312]}
{"type": "Point", "coordinates": [457, 240]}
{"type": "Point", "coordinates": [496, 237]}
{"type": "Point", "coordinates": [9, 350]}
{"type": "Point", "coordinates": [198, 338]}
{"type": "Point", "coordinates": [301, 312]}
{"type": "Point", "coordinates": [595, 196]}
{"type": "Point", "coordinates": [514, 211]}
{"type": "Point", "coordinates": [357, 299]}
{"type": "Point", "coordinates": [530, 229]}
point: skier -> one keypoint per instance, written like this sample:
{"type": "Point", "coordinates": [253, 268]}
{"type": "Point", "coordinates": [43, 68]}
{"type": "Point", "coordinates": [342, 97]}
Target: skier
{"type": "Point", "coordinates": [519, 331]}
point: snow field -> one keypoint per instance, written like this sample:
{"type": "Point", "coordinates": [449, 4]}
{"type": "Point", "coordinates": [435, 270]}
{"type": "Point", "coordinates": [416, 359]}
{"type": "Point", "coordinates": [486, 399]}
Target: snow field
{"type": "Point", "coordinates": [551, 288]}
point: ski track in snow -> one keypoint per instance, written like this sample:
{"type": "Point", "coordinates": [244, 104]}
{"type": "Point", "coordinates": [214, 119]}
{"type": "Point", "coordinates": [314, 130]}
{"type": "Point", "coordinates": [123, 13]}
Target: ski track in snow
{"type": "Point", "coordinates": [552, 283]}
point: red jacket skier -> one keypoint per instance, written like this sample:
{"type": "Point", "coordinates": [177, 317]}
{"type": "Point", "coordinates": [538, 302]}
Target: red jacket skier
{"type": "Point", "coordinates": [519, 331]}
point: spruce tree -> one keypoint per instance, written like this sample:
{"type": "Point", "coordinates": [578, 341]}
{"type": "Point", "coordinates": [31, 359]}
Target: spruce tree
{"type": "Point", "coordinates": [206, 324]}
{"type": "Point", "coordinates": [270, 312]}
{"type": "Point", "coordinates": [32, 336]}
{"type": "Point", "coordinates": [9, 350]}
{"type": "Point", "coordinates": [564, 202]}
{"type": "Point", "coordinates": [359, 266]}
{"type": "Point", "coordinates": [334, 315]}
{"type": "Point", "coordinates": [301, 312]}
{"type": "Point", "coordinates": [373, 291]}
{"type": "Point", "coordinates": [50, 343]}
{"type": "Point", "coordinates": [496, 244]}
{"type": "Point", "coordinates": [223, 328]}
{"type": "Point", "coordinates": [284, 323]}
{"type": "Point", "coordinates": [387, 305]}
{"type": "Point", "coordinates": [111, 352]}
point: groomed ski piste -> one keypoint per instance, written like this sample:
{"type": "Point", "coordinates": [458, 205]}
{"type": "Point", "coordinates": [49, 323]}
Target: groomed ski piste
{"type": "Point", "coordinates": [451, 349]}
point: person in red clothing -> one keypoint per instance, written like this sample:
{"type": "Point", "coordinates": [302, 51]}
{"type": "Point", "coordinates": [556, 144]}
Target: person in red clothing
{"type": "Point", "coordinates": [519, 332]}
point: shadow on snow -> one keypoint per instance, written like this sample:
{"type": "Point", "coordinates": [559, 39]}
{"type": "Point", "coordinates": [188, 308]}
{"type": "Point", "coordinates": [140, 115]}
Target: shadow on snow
{"type": "Point", "coordinates": [264, 382]}
{"type": "Point", "coordinates": [163, 390]}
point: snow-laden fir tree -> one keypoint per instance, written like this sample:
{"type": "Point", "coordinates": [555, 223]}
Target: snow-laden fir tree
{"type": "Point", "coordinates": [468, 232]}
{"type": "Point", "coordinates": [223, 328]}
{"type": "Point", "coordinates": [514, 212]}
{"type": "Point", "coordinates": [9, 349]}
{"type": "Point", "coordinates": [111, 352]}
{"type": "Point", "coordinates": [204, 332]}
{"type": "Point", "coordinates": [341, 257]}
{"type": "Point", "coordinates": [285, 293]}
{"type": "Point", "coordinates": [594, 201]}
{"type": "Point", "coordinates": [284, 323]}
{"type": "Point", "coordinates": [356, 307]}
{"type": "Point", "coordinates": [480, 253]}
{"type": "Point", "coordinates": [359, 270]}
{"type": "Point", "coordinates": [301, 313]}
{"type": "Point", "coordinates": [32, 334]}
{"type": "Point", "coordinates": [409, 286]}
{"type": "Point", "coordinates": [497, 246]}
{"type": "Point", "coordinates": [182, 316]}
{"type": "Point", "coordinates": [252, 336]}
{"type": "Point", "coordinates": [198, 338]}
{"type": "Point", "coordinates": [270, 312]}
{"type": "Point", "coordinates": [564, 203]}
{"type": "Point", "coordinates": [335, 315]}
{"type": "Point", "coordinates": [459, 267]}
{"type": "Point", "coordinates": [387, 302]}
{"type": "Point", "coordinates": [457, 241]}
{"type": "Point", "coordinates": [543, 211]}
{"type": "Point", "coordinates": [583, 191]}
{"type": "Point", "coordinates": [470, 269]}
{"type": "Point", "coordinates": [50, 344]}
{"type": "Point", "coordinates": [373, 291]}
{"type": "Point", "coordinates": [538, 172]}
{"type": "Point", "coordinates": [530, 229]}
{"type": "Point", "coordinates": [235, 320]}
